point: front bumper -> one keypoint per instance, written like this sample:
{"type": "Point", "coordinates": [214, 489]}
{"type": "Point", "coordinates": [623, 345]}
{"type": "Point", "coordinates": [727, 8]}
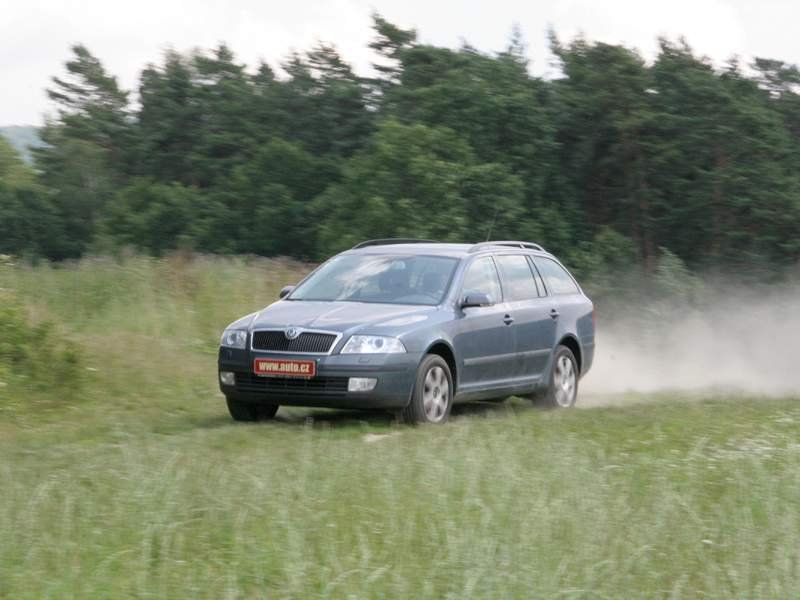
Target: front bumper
{"type": "Point", "coordinates": [395, 373]}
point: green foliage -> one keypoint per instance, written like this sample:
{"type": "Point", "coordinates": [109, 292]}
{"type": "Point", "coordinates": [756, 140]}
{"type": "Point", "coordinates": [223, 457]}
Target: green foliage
{"type": "Point", "coordinates": [93, 109]}
{"type": "Point", "coordinates": [13, 170]}
{"type": "Point", "coordinates": [728, 188]}
{"type": "Point", "coordinates": [390, 43]}
{"type": "Point", "coordinates": [23, 138]}
{"type": "Point", "coordinates": [29, 223]}
{"type": "Point", "coordinates": [36, 362]}
{"type": "Point", "coordinates": [151, 216]}
{"type": "Point", "coordinates": [453, 144]}
{"type": "Point", "coordinates": [603, 263]}
{"type": "Point", "coordinates": [407, 183]}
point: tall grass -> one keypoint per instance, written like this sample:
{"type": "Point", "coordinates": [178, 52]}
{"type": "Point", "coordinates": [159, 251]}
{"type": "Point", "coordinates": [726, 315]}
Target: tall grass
{"type": "Point", "coordinates": [142, 487]}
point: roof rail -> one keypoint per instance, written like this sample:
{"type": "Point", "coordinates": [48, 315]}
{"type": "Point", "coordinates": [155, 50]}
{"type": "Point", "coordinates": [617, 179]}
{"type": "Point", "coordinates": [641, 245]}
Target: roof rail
{"type": "Point", "coordinates": [512, 244]}
{"type": "Point", "coordinates": [387, 241]}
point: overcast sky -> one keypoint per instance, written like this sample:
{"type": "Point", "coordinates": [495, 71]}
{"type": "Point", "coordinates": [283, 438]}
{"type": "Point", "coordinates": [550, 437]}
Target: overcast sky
{"type": "Point", "coordinates": [35, 35]}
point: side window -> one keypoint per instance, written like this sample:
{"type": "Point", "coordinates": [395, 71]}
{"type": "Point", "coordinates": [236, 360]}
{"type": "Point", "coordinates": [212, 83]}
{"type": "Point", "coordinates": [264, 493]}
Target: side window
{"type": "Point", "coordinates": [518, 280]}
{"type": "Point", "coordinates": [537, 278]}
{"type": "Point", "coordinates": [481, 277]}
{"type": "Point", "coordinates": [557, 279]}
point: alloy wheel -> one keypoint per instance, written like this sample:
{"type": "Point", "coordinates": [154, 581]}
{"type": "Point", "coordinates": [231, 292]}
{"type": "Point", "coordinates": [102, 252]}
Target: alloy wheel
{"type": "Point", "coordinates": [435, 394]}
{"type": "Point", "coordinates": [564, 381]}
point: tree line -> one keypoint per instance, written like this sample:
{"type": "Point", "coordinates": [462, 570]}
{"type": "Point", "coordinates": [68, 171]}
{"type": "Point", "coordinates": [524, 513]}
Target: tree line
{"type": "Point", "coordinates": [615, 160]}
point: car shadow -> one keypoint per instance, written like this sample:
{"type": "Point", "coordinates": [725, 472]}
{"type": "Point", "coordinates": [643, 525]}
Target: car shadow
{"type": "Point", "coordinates": [290, 416]}
{"type": "Point", "coordinates": [509, 407]}
{"type": "Point", "coordinates": [480, 409]}
{"type": "Point", "coordinates": [379, 418]}
{"type": "Point", "coordinates": [324, 417]}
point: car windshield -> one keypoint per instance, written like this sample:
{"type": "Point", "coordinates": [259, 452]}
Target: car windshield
{"type": "Point", "coordinates": [389, 279]}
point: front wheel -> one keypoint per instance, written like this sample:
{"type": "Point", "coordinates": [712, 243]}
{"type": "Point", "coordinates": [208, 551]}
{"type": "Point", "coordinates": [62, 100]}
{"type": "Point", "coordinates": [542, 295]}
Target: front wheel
{"type": "Point", "coordinates": [563, 388]}
{"type": "Point", "coordinates": [432, 397]}
{"type": "Point", "coordinates": [250, 411]}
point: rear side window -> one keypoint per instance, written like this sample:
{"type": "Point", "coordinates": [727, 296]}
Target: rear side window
{"type": "Point", "coordinates": [537, 278]}
{"type": "Point", "coordinates": [557, 279]}
{"type": "Point", "coordinates": [481, 278]}
{"type": "Point", "coordinates": [518, 281]}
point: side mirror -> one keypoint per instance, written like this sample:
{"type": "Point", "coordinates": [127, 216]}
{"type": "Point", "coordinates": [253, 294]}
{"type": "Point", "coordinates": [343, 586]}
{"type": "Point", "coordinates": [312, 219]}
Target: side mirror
{"type": "Point", "coordinates": [476, 299]}
{"type": "Point", "coordinates": [285, 291]}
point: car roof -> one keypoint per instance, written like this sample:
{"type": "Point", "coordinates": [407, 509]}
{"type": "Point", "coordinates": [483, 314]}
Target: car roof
{"type": "Point", "coordinates": [443, 249]}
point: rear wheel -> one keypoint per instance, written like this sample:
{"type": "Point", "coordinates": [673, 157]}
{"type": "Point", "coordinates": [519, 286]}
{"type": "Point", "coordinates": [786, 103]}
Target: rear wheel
{"type": "Point", "coordinates": [250, 411]}
{"type": "Point", "coordinates": [432, 397]}
{"type": "Point", "coordinates": [562, 390]}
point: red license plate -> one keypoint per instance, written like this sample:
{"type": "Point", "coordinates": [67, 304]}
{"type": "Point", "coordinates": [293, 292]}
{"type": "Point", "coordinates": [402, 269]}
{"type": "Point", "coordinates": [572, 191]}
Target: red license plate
{"type": "Point", "coordinates": [278, 367]}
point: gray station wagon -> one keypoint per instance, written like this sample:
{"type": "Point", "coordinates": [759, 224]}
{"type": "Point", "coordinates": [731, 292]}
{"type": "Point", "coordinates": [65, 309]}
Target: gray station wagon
{"type": "Point", "coordinates": [414, 326]}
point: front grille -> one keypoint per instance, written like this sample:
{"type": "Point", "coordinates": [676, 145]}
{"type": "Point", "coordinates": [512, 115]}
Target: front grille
{"type": "Point", "coordinates": [288, 386]}
{"type": "Point", "coordinates": [308, 342]}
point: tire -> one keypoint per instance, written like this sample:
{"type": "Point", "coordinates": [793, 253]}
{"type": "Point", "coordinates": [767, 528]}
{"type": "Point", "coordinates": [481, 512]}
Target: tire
{"type": "Point", "coordinates": [432, 397]}
{"type": "Point", "coordinates": [250, 411]}
{"type": "Point", "coordinates": [562, 389]}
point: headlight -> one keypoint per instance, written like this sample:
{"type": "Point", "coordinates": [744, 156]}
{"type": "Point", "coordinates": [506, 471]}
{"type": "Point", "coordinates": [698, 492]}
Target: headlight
{"type": "Point", "coordinates": [373, 344]}
{"type": "Point", "coordinates": [233, 338]}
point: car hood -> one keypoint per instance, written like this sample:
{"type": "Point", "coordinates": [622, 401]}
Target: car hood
{"type": "Point", "coordinates": [345, 317]}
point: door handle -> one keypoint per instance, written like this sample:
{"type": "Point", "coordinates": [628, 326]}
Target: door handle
{"type": "Point", "coordinates": [554, 313]}
{"type": "Point", "coordinates": [508, 319]}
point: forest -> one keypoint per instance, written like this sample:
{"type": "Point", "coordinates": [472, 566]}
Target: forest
{"type": "Point", "coordinates": [616, 160]}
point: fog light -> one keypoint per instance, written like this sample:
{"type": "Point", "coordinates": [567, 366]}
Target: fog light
{"type": "Point", "coordinates": [361, 384]}
{"type": "Point", "coordinates": [227, 378]}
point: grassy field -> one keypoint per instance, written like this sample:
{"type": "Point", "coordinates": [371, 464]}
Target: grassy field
{"type": "Point", "coordinates": [140, 486]}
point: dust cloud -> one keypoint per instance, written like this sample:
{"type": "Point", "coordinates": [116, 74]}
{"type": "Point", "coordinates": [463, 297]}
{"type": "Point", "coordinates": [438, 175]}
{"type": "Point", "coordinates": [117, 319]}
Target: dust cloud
{"type": "Point", "coordinates": [736, 341]}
